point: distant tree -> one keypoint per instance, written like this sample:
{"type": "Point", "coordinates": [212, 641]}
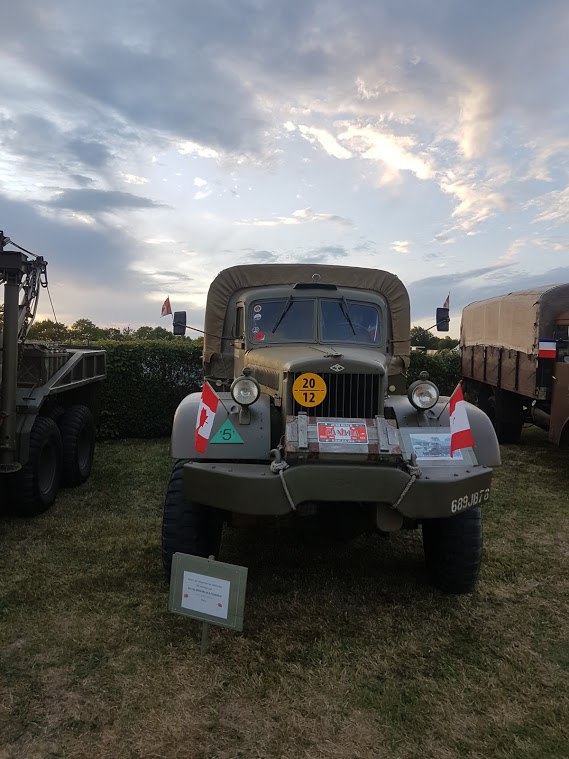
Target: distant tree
{"type": "Point", "coordinates": [112, 333]}
{"type": "Point", "coordinates": [446, 343]}
{"type": "Point", "coordinates": [85, 329]}
{"type": "Point", "coordinates": [420, 336]}
{"type": "Point", "coordinates": [49, 331]}
{"type": "Point", "coordinates": [153, 333]}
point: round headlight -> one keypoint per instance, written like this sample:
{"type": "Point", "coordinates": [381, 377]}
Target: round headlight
{"type": "Point", "coordinates": [423, 394]}
{"type": "Point", "coordinates": [245, 390]}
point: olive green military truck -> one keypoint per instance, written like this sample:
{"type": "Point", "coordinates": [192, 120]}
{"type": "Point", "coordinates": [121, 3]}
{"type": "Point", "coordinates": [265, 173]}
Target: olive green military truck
{"type": "Point", "coordinates": [306, 412]}
{"type": "Point", "coordinates": [515, 357]}
{"type": "Point", "coordinates": [49, 396]}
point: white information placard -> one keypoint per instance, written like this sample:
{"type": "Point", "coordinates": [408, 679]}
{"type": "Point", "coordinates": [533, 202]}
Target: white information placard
{"type": "Point", "coordinates": [209, 595]}
{"type": "Point", "coordinates": [209, 590]}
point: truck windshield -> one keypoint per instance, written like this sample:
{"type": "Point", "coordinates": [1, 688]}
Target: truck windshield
{"type": "Point", "coordinates": [281, 320]}
{"type": "Point", "coordinates": [349, 321]}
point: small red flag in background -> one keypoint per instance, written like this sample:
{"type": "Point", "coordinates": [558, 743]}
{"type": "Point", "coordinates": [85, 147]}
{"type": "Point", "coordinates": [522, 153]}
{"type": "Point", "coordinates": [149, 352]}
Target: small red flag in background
{"type": "Point", "coordinates": [447, 301]}
{"type": "Point", "coordinates": [460, 434]}
{"type": "Point", "coordinates": [166, 308]}
{"type": "Point", "coordinates": [206, 415]}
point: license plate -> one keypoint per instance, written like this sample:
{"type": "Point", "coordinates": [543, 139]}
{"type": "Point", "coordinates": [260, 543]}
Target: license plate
{"type": "Point", "coordinates": [340, 432]}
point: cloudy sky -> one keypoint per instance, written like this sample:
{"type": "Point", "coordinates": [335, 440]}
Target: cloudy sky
{"type": "Point", "coordinates": [145, 145]}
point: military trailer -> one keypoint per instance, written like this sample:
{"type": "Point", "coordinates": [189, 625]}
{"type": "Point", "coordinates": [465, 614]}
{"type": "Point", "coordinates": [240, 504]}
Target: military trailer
{"type": "Point", "coordinates": [49, 397]}
{"type": "Point", "coordinates": [515, 358]}
{"type": "Point", "coordinates": [306, 412]}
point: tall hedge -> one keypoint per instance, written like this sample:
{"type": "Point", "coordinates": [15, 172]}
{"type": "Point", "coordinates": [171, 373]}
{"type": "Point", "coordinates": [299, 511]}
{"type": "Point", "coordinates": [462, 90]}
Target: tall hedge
{"type": "Point", "coordinates": [146, 380]}
{"type": "Point", "coordinates": [443, 368]}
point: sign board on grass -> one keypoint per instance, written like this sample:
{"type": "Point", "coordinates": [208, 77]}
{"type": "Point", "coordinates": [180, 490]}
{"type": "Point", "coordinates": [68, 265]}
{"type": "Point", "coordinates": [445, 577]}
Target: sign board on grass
{"type": "Point", "coordinates": [208, 590]}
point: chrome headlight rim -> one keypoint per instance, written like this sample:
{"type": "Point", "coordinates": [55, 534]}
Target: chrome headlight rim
{"type": "Point", "coordinates": [415, 390]}
{"type": "Point", "coordinates": [252, 382]}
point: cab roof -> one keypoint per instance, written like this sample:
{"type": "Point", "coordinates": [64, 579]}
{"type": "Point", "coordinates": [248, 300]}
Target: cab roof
{"type": "Point", "coordinates": [250, 276]}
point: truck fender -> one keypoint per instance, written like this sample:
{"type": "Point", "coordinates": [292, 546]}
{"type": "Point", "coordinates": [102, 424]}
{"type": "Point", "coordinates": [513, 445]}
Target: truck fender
{"type": "Point", "coordinates": [486, 446]}
{"type": "Point", "coordinates": [237, 440]}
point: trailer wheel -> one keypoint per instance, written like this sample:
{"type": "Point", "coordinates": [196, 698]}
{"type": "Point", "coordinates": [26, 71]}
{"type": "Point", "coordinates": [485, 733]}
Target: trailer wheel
{"type": "Point", "coordinates": [78, 435]}
{"type": "Point", "coordinates": [187, 526]}
{"type": "Point", "coordinates": [34, 488]}
{"type": "Point", "coordinates": [453, 551]}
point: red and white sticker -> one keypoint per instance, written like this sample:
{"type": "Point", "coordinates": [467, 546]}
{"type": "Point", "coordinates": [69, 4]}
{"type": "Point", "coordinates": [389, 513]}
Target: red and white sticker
{"type": "Point", "coordinates": [206, 415]}
{"type": "Point", "coordinates": [547, 348]}
{"type": "Point", "coordinates": [340, 432]}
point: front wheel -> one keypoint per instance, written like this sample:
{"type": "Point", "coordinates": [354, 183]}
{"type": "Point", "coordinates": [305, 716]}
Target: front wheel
{"type": "Point", "coordinates": [453, 551]}
{"type": "Point", "coordinates": [187, 526]}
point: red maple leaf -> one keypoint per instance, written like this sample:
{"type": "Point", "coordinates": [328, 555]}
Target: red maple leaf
{"type": "Point", "coordinates": [203, 418]}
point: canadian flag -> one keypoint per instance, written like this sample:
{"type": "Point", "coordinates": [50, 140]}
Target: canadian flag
{"type": "Point", "coordinates": [460, 434]}
{"type": "Point", "coordinates": [166, 308]}
{"type": "Point", "coordinates": [206, 415]}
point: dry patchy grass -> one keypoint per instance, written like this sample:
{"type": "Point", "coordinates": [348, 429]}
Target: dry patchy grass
{"type": "Point", "coordinates": [346, 651]}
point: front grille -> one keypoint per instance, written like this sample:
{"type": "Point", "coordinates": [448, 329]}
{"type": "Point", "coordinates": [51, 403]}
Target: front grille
{"type": "Point", "coordinates": [349, 396]}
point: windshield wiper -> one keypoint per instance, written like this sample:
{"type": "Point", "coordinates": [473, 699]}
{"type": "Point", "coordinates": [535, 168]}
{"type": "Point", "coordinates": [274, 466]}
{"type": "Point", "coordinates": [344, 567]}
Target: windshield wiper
{"type": "Point", "coordinates": [282, 316]}
{"type": "Point", "coordinates": [346, 312]}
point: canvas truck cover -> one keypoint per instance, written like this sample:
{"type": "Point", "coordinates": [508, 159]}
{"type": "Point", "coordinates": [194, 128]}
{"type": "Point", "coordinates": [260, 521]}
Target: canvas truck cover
{"type": "Point", "coordinates": [246, 277]}
{"type": "Point", "coordinates": [515, 321]}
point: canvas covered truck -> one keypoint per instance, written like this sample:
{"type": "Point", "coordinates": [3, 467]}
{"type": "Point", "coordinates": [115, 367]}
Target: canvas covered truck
{"type": "Point", "coordinates": [49, 397]}
{"type": "Point", "coordinates": [515, 358]}
{"type": "Point", "coordinates": [306, 412]}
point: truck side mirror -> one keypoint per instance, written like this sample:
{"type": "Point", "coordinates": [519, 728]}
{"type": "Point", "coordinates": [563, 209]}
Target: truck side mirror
{"type": "Point", "coordinates": [179, 323]}
{"type": "Point", "coordinates": [443, 320]}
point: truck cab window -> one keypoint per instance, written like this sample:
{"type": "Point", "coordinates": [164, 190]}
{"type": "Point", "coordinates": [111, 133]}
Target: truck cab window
{"type": "Point", "coordinates": [349, 321]}
{"type": "Point", "coordinates": [282, 320]}
{"type": "Point", "coordinates": [239, 323]}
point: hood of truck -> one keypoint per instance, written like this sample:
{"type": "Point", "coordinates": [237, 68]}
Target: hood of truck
{"type": "Point", "coordinates": [355, 359]}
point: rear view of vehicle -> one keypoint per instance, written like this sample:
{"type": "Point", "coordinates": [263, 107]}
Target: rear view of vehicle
{"type": "Point", "coordinates": [305, 412]}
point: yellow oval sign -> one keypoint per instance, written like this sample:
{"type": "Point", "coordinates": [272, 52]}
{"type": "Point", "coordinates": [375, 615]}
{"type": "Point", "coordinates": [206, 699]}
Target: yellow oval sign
{"type": "Point", "coordinates": [309, 390]}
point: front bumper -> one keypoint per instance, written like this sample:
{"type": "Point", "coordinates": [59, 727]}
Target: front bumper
{"type": "Point", "coordinates": [254, 489]}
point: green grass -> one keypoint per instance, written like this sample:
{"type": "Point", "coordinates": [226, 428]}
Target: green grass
{"type": "Point", "coordinates": [346, 651]}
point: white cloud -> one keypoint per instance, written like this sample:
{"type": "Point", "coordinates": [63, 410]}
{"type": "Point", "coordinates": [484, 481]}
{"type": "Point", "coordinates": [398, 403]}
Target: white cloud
{"type": "Point", "coordinates": [326, 141]}
{"type": "Point", "coordinates": [477, 201]}
{"type": "Point", "coordinates": [400, 246]}
{"type": "Point", "coordinates": [192, 148]}
{"type": "Point", "coordinates": [198, 182]}
{"type": "Point", "coordinates": [301, 216]}
{"type": "Point", "coordinates": [553, 206]}
{"type": "Point", "coordinates": [391, 150]}
{"type": "Point", "coordinates": [132, 178]}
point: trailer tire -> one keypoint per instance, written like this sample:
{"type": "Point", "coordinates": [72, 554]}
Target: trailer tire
{"type": "Point", "coordinates": [78, 436]}
{"type": "Point", "coordinates": [34, 487]}
{"type": "Point", "coordinates": [453, 551]}
{"type": "Point", "coordinates": [187, 526]}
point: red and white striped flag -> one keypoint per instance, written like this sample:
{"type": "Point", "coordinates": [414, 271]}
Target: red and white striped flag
{"type": "Point", "coordinates": [460, 434]}
{"type": "Point", "coordinates": [166, 308]}
{"type": "Point", "coordinates": [447, 301]}
{"type": "Point", "coordinates": [206, 415]}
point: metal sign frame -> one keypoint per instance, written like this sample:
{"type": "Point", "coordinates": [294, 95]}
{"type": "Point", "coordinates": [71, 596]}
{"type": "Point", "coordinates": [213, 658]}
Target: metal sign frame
{"type": "Point", "coordinates": [196, 582]}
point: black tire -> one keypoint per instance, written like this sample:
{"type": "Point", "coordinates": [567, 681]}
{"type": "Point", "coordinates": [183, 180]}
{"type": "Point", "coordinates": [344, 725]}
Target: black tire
{"type": "Point", "coordinates": [453, 551]}
{"type": "Point", "coordinates": [506, 412]}
{"type": "Point", "coordinates": [78, 436]}
{"type": "Point", "coordinates": [187, 526]}
{"type": "Point", "coordinates": [34, 488]}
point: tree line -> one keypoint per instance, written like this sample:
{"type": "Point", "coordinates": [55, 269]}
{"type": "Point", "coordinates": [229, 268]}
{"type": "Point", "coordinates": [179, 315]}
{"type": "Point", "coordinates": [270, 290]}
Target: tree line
{"type": "Point", "coordinates": [84, 330]}
{"type": "Point", "coordinates": [423, 338]}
